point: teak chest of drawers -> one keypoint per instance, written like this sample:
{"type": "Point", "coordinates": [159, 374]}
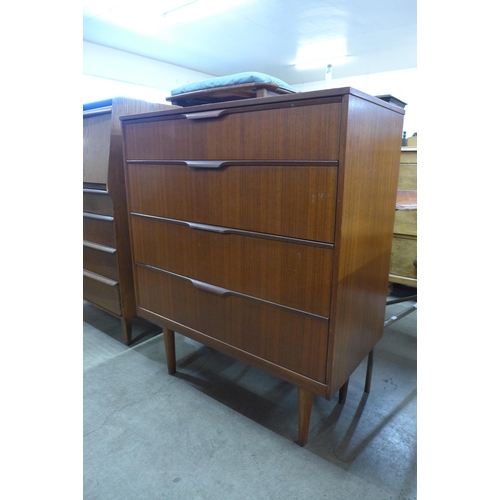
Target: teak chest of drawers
{"type": "Point", "coordinates": [107, 265]}
{"type": "Point", "coordinates": [263, 228]}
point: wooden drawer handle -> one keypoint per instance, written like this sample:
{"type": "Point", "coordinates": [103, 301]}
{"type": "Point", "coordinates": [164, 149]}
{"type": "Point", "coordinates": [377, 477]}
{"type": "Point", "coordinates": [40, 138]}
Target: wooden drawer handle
{"type": "Point", "coordinates": [98, 111]}
{"type": "Point", "coordinates": [90, 215]}
{"type": "Point", "coordinates": [99, 278]}
{"type": "Point", "coordinates": [203, 115]}
{"type": "Point", "coordinates": [206, 287]}
{"type": "Point", "coordinates": [97, 246]}
{"type": "Point", "coordinates": [206, 227]}
{"type": "Point", "coordinates": [204, 164]}
{"type": "Point", "coordinates": [95, 191]}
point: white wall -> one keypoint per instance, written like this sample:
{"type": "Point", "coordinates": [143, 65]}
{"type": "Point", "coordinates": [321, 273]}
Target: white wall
{"type": "Point", "coordinates": [401, 84]}
{"type": "Point", "coordinates": [109, 72]}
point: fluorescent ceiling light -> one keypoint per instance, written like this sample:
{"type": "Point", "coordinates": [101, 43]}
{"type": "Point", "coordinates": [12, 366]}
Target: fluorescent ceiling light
{"type": "Point", "coordinates": [318, 54]}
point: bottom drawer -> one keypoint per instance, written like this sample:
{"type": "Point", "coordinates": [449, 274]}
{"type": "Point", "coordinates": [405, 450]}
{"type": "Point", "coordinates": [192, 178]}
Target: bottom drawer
{"type": "Point", "coordinates": [289, 339]}
{"type": "Point", "coordinates": [102, 292]}
{"type": "Point", "coordinates": [403, 256]}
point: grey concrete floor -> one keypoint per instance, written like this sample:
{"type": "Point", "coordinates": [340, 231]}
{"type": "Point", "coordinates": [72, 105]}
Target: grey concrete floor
{"type": "Point", "coordinates": [219, 429]}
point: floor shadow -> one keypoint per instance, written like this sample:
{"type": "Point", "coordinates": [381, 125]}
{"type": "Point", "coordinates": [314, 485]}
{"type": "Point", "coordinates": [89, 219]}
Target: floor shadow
{"type": "Point", "coordinates": [110, 325]}
{"type": "Point", "coordinates": [350, 443]}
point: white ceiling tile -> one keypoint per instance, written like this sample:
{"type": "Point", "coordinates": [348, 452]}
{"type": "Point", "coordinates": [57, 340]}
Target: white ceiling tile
{"type": "Point", "coordinates": [258, 35]}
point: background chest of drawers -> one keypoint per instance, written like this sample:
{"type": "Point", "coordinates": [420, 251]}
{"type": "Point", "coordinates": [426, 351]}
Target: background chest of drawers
{"type": "Point", "coordinates": [403, 268]}
{"type": "Point", "coordinates": [107, 267]}
{"type": "Point", "coordinates": [263, 228]}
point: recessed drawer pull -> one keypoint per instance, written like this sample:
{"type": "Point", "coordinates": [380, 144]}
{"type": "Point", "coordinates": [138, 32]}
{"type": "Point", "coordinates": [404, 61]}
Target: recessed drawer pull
{"type": "Point", "coordinates": [98, 111]}
{"type": "Point", "coordinates": [205, 164]}
{"type": "Point", "coordinates": [101, 248]}
{"type": "Point", "coordinates": [203, 115]}
{"type": "Point", "coordinates": [206, 227]}
{"type": "Point", "coordinates": [205, 287]}
{"type": "Point", "coordinates": [95, 191]}
{"type": "Point", "coordinates": [99, 278]}
{"type": "Point", "coordinates": [90, 215]}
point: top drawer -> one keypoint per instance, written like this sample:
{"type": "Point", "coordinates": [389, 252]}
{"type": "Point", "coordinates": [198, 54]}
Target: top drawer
{"type": "Point", "coordinates": [294, 132]}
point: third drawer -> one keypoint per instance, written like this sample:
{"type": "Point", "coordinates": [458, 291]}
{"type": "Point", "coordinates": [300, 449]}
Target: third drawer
{"type": "Point", "coordinates": [291, 273]}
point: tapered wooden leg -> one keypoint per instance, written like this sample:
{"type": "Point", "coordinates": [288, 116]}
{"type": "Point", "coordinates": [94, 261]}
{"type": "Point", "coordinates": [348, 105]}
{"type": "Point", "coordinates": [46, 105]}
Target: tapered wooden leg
{"type": "Point", "coordinates": [127, 330]}
{"type": "Point", "coordinates": [305, 407]}
{"type": "Point", "coordinates": [343, 392]}
{"type": "Point", "coordinates": [369, 367]}
{"type": "Point", "coordinates": [169, 339]}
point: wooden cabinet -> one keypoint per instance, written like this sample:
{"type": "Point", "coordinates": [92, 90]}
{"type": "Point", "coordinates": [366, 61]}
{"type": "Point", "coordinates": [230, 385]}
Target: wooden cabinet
{"type": "Point", "coordinates": [263, 228]}
{"type": "Point", "coordinates": [403, 268]}
{"type": "Point", "coordinates": [107, 265]}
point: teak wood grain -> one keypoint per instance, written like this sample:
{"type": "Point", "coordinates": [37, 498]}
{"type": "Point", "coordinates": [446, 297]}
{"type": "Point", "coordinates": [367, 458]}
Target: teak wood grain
{"type": "Point", "coordinates": [289, 200]}
{"type": "Point", "coordinates": [290, 339]}
{"type": "Point", "coordinates": [99, 229]}
{"type": "Point", "coordinates": [368, 176]}
{"type": "Point", "coordinates": [292, 274]}
{"type": "Point", "coordinates": [97, 201]}
{"type": "Point", "coordinates": [104, 195]}
{"type": "Point", "coordinates": [290, 133]}
{"type": "Point", "coordinates": [101, 261]}
{"type": "Point", "coordinates": [301, 191]}
{"type": "Point", "coordinates": [104, 293]}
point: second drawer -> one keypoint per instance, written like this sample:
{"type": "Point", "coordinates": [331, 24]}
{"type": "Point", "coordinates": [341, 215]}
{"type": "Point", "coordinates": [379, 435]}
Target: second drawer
{"type": "Point", "coordinates": [290, 273]}
{"type": "Point", "coordinates": [293, 200]}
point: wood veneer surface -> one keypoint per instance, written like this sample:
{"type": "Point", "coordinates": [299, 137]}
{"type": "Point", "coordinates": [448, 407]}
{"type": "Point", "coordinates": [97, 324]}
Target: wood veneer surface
{"type": "Point", "coordinates": [320, 168]}
{"type": "Point", "coordinates": [104, 195]}
{"type": "Point", "coordinates": [291, 133]}
{"type": "Point", "coordinates": [368, 179]}
{"type": "Point", "coordinates": [293, 340]}
{"type": "Point", "coordinates": [288, 200]}
{"type": "Point", "coordinates": [287, 273]}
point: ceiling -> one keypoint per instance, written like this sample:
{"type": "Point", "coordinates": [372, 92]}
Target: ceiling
{"type": "Point", "coordinates": [222, 37]}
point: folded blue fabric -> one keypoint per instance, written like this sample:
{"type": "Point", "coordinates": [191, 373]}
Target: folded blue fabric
{"type": "Point", "coordinates": [236, 79]}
